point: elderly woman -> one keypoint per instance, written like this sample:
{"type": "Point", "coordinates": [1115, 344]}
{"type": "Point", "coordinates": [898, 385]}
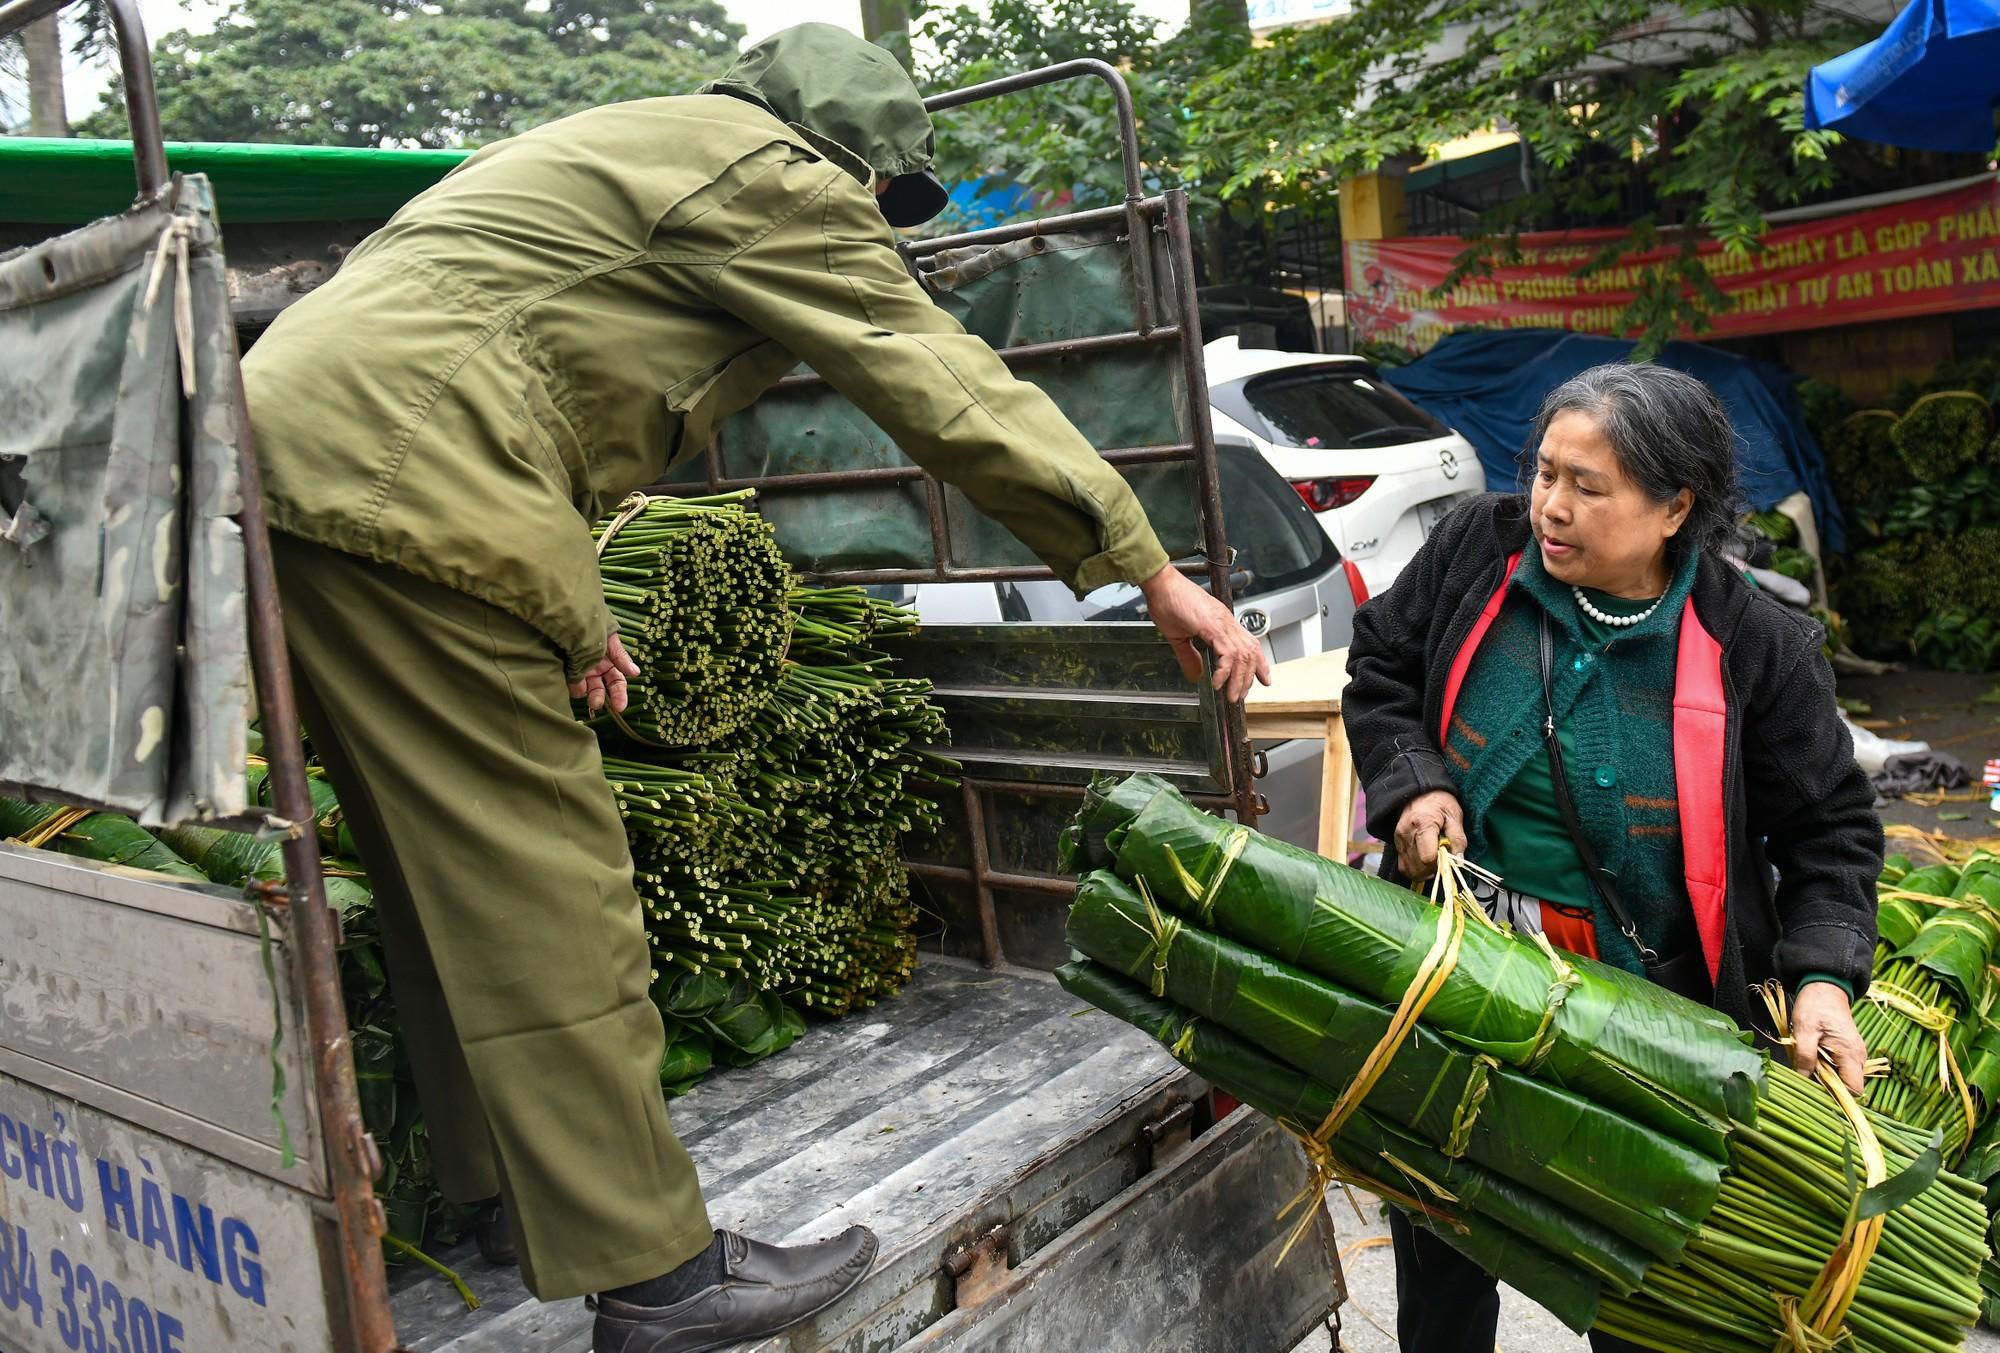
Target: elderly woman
{"type": "Point", "coordinates": [1573, 690]}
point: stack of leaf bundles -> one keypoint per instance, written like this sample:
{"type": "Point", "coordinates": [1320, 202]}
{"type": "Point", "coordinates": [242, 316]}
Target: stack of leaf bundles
{"type": "Point", "coordinates": [1621, 1155]}
{"type": "Point", "coordinates": [1927, 1017]}
{"type": "Point", "coordinates": [1930, 1020]}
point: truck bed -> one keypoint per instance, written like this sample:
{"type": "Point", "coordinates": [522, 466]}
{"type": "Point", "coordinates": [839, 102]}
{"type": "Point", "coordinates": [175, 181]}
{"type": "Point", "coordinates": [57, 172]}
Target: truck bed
{"type": "Point", "coordinates": [978, 1106]}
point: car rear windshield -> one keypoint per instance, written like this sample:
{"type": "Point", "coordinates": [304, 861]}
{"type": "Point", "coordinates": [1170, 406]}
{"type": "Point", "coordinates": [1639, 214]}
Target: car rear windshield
{"type": "Point", "coordinates": [1337, 408]}
{"type": "Point", "coordinates": [1278, 544]}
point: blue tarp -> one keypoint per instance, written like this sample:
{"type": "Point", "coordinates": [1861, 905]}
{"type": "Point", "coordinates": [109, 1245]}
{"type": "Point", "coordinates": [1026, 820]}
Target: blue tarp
{"type": "Point", "coordinates": [1489, 385]}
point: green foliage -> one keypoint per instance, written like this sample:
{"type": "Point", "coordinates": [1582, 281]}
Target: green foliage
{"type": "Point", "coordinates": [1774, 526]}
{"type": "Point", "coordinates": [1957, 640]}
{"type": "Point", "coordinates": [1935, 597]}
{"type": "Point", "coordinates": [1701, 106]}
{"type": "Point", "coordinates": [1793, 563]}
{"type": "Point", "coordinates": [396, 73]}
{"type": "Point", "coordinates": [1971, 499]}
{"type": "Point", "coordinates": [1061, 142]}
{"type": "Point", "coordinates": [1944, 433]}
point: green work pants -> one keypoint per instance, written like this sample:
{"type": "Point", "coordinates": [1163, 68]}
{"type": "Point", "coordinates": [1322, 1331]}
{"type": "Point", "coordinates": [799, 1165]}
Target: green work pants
{"type": "Point", "coordinates": [515, 943]}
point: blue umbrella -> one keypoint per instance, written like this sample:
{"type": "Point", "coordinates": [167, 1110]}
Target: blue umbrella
{"type": "Point", "coordinates": [1929, 82]}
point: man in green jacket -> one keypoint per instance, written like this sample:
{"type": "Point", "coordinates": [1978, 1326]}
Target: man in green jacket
{"type": "Point", "coordinates": [562, 318]}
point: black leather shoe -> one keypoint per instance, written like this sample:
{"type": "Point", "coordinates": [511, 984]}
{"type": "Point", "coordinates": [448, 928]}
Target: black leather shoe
{"type": "Point", "coordinates": [490, 1233]}
{"type": "Point", "coordinates": [764, 1289]}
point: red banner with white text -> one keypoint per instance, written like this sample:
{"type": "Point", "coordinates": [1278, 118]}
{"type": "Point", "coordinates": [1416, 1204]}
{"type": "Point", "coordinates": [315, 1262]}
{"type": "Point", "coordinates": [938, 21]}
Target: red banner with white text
{"type": "Point", "coordinates": [1924, 256]}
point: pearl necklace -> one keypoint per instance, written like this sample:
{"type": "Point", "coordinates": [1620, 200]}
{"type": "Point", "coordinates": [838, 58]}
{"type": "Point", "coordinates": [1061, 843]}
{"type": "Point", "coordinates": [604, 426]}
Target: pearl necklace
{"type": "Point", "coordinates": [1615, 621]}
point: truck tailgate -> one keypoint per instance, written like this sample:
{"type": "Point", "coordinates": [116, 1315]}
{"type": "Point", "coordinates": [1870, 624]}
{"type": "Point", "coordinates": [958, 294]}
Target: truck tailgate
{"type": "Point", "coordinates": [1013, 1152]}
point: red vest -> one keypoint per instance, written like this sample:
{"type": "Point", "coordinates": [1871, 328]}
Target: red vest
{"type": "Point", "coordinates": [1700, 720]}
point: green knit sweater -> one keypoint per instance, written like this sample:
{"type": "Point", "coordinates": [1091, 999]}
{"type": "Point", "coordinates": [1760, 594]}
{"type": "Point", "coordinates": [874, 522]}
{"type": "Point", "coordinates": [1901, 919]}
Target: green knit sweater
{"type": "Point", "coordinates": [1614, 700]}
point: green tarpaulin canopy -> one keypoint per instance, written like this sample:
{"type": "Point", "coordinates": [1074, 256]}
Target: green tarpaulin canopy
{"type": "Point", "coordinates": [60, 181]}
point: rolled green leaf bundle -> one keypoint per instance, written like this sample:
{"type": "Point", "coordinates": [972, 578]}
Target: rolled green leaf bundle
{"type": "Point", "coordinates": [1641, 1185]}
{"type": "Point", "coordinates": [1610, 1037]}
{"type": "Point", "coordinates": [110, 838]}
{"type": "Point", "coordinates": [1474, 1220]}
{"type": "Point", "coordinates": [698, 587]}
{"type": "Point", "coordinates": [1793, 1252]}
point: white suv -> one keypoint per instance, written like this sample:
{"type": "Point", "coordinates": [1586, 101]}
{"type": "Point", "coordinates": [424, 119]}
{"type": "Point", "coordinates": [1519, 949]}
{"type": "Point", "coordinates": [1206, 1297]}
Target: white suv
{"type": "Point", "coordinates": [1375, 469]}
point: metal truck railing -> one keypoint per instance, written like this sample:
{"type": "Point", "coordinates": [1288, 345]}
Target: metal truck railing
{"type": "Point", "coordinates": [357, 1294]}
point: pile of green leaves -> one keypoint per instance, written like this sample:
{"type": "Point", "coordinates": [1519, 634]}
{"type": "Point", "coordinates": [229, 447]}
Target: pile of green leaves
{"type": "Point", "coordinates": [1620, 1154]}
{"type": "Point", "coordinates": [417, 1210]}
{"type": "Point", "coordinates": [1794, 563]}
{"type": "Point", "coordinates": [109, 838]}
{"type": "Point", "coordinates": [1774, 526]}
{"type": "Point", "coordinates": [1945, 508]}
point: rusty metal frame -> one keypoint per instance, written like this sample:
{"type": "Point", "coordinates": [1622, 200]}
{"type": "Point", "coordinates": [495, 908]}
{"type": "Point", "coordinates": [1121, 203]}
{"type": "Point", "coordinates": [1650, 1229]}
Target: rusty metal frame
{"type": "Point", "coordinates": [353, 1160]}
{"type": "Point", "coordinates": [1141, 218]}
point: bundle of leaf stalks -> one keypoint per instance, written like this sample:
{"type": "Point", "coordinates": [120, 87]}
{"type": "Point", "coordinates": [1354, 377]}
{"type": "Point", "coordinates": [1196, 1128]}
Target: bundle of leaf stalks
{"type": "Point", "coordinates": [698, 588]}
{"type": "Point", "coordinates": [766, 849]}
{"type": "Point", "coordinates": [1622, 1155]}
{"type": "Point", "coordinates": [1863, 459]}
{"type": "Point", "coordinates": [1932, 1034]}
{"type": "Point", "coordinates": [1928, 1015]}
{"type": "Point", "coordinates": [771, 858]}
{"type": "Point", "coordinates": [1940, 593]}
{"type": "Point", "coordinates": [1943, 434]}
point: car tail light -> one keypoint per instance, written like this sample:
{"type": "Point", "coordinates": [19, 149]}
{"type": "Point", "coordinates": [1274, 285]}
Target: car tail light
{"type": "Point", "coordinates": [1356, 584]}
{"type": "Point", "coordinates": [1322, 495]}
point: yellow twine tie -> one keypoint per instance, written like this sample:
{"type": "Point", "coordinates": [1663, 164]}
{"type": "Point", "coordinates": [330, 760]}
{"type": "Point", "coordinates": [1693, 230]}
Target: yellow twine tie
{"type": "Point", "coordinates": [1936, 1020]}
{"type": "Point", "coordinates": [49, 829]}
{"type": "Point", "coordinates": [1827, 1301]}
{"type": "Point", "coordinates": [633, 505]}
{"type": "Point", "coordinates": [1454, 901]}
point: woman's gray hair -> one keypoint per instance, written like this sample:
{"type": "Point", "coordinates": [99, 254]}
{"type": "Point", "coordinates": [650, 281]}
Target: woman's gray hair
{"type": "Point", "coordinates": [1669, 431]}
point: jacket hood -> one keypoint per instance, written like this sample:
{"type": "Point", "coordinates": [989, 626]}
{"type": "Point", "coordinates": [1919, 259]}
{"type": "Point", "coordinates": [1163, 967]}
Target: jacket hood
{"type": "Point", "coordinates": [846, 96]}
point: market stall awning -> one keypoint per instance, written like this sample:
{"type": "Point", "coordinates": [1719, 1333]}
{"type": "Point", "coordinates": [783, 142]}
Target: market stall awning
{"type": "Point", "coordinates": [1930, 82]}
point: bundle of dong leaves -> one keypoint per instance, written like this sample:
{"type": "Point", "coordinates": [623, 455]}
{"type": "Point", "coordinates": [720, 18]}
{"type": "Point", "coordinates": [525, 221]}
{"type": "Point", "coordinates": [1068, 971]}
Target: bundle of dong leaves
{"type": "Point", "coordinates": [1623, 1156]}
{"type": "Point", "coordinates": [1932, 1018]}
{"type": "Point", "coordinates": [765, 818]}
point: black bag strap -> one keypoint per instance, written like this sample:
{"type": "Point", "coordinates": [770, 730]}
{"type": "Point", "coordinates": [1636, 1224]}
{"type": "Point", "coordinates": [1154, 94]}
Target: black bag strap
{"type": "Point", "coordinates": [1600, 878]}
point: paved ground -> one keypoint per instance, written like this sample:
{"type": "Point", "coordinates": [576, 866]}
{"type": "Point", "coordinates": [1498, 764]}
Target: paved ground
{"type": "Point", "coordinates": [1940, 707]}
{"type": "Point", "coordinates": [1368, 1320]}
{"type": "Point", "coordinates": [1945, 710]}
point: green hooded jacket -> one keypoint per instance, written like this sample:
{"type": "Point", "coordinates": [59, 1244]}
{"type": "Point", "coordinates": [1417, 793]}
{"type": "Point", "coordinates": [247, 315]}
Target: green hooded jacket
{"type": "Point", "coordinates": [571, 311]}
